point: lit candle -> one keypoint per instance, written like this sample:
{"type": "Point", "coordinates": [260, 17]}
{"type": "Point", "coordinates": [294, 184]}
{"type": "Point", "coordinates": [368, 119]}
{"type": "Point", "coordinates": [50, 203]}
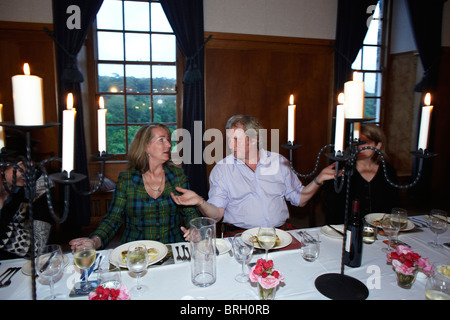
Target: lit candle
{"type": "Point", "coordinates": [291, 119]}
{"type": "Point", "coordinates": [340, 125]}
{"type": "Point", "coordinates": [2, 133]}
{"type": "Point", "coordinates": [425, 123]}
{"type": "Point", "coordinates": [101, 114]}
{"type": "Point", "coordinates": [68, 143]}
{"type": "Point", "coordinates": [354, 98]}
{"type": "Point", "coordinates": [28, 99]}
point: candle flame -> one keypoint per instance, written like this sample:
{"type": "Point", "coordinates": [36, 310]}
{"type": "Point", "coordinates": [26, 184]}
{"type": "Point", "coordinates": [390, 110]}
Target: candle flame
{"type": "Point", "coordinates": [341, 98]}
{"type": "Point", "coordinates": [69, 101]}
{"type": "Point", "coordinates": [291, 99]}
{"type": "Point", "coordinates": [101, 102]}
{"type": "Point", "coordinates": [427, 99]}
{"type": "Point", "coordinates": [26, 69]}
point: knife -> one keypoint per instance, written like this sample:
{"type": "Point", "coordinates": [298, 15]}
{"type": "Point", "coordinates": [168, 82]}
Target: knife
{"type": "Point", "coordinates": [341, 233]}
{"type": "Point", "coordinates": [47, 263]}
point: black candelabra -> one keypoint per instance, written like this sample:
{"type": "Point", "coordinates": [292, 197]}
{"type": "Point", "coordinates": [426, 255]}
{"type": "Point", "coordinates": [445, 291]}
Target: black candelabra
{"type": "Point", "coordinates": [339, 285]}
{"type": "Point", "coordinates": [31, 171]}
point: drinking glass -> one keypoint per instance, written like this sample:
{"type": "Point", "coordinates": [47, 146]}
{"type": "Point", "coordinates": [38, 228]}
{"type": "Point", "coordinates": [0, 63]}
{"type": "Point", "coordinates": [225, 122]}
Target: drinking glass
{"type": "Point", "coordinates": [243, 252]}
{"type": "Point", "coordinates": [399, 216]}
{"type": "Point", "coordinates": [49, 265]}
{"type": "Point", "coordinates": [310, 247]}
{"type": "Point", "coordinates": [267, 238]}
{"type": "Point", "coordinates": [137, 261]}
{"type": "Point", "coordinates": [84, 257]}
{"type": "Point", "coordinates": [369, 233]}
{"type": "Point", "coordinates": [109, 277]}
{"type": "Point", "coordinates": [437, 221]}
{"type": "Point", "coordinates": [391, 229]}
{"type": "Point", "coordinates": [437, 286]}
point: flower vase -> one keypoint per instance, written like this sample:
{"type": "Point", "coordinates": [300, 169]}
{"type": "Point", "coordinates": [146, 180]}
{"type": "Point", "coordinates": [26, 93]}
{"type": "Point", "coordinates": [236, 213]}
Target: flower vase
{"type": "Point", "coordinates": [406, 281]}
{"type": "Point", "coordinates": [266, 294]}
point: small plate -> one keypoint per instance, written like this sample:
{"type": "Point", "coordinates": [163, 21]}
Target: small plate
{"type": "Point", "coordinates": [326, 230]}
{"type": "Point", "coordinates": [223, 245]}
{"type": "Point", "coordinates": [116, 255]}
{"type": "Point", "coordinates": [285, 238]}
{"type": "Point", "coordinates": [374, 219]}
{"type": "Point", "coordinates": [26, 268]}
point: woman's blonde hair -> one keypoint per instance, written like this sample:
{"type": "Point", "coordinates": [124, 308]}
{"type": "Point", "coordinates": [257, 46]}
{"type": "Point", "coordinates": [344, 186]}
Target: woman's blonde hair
{"type": "Point", "coordinates": [137, 155]}
{"type": "Point", "coordinates": [376, 134]}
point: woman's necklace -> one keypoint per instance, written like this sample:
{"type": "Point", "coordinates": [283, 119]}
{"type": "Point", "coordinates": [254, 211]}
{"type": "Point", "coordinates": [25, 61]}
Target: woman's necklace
{"type": "Point", "coordinates": [148, 184]}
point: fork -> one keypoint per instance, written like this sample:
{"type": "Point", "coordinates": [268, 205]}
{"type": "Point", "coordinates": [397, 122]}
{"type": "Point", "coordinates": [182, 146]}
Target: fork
{"type": "Point", "coordinates": [184, 253]}
{"type": "Point", "coordinates": [307, 237]}
{"type": "Point", "coordinates": [178, 256]}
{"type": "Point", "coordinates": [8, 281]}
{"type": "Point", "coordinates": [6, 272]}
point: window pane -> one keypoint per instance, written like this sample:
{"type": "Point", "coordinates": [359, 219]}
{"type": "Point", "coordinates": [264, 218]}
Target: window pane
{"type": "Point", "coordinates": [138, 109]}
{"type": "Point", "coordinates": [357, 63]}
{"type": "Point", "coordinates": [372, 108]}
{"type": "Point", "coordinates": [116, 110]}
{"type": "Point", "coordinates": [137, 47]}
{"type": "Point", "coordinates": [116, 139]}
{"type": "Point", "coordinates": [110, 15]}
{"type": "Point", "coordinates": [132, 132]}
{"type": "Point", "coordinates": [136, 16]}
{"type": "Point", "coordinates": [159, 19]}
{"type": "Point", "coordinates": [371, 58]}
{"type": "Point", "coordinates": [163, 48]}
{"type": "Point", "coordinates": [138, 78]}
{"type": "Point", "coordinates": [372, 84]}
{"type": "Point", "coordinates": [164, 79]}
{"type": "Point", "coordinates": [110, 77]}
{"type": "Point", "coordinates": [373, 35]}
{"type": "Point", "coordinates": [164, 108]}
{"type": "Point", "coordinates": [110, 45]}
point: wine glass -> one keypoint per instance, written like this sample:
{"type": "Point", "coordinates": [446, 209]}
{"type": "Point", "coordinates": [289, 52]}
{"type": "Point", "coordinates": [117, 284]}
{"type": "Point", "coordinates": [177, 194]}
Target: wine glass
{"type": "Point", "coordinates": [49, 265]}
{"type": "Point", "coordinates": [399, 216]}
{"type": "Point", "coordinates": [243, 252]}
{"type": "Point", "coordinates": [390, 228]}
{"type": "Point", "coordinates": [84, 257]}
{"type": "Point", "coordinates": [437, 221]}
{"type": "Point", "coordinates": [137, 261]}
{"type": "Point", "coordinates": [438, 286]}
{"type": "Point", "coordinates": [267, 238]}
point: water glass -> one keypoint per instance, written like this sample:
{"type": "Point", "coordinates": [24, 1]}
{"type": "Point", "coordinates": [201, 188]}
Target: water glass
{"type": "Point", "coordinates": [369, 233]}
{"type": "Point", "coordinates": [310, 247]}
{"type": "Point", "coordinates": [109, 277]}
{"type": "Point", "coordinates": [243, 251]}
{"type": "Point", "coordinates": [437, 221]}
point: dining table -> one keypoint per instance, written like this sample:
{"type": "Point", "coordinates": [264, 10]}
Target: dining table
{"type": "Point", "coordinates": [171, 278]}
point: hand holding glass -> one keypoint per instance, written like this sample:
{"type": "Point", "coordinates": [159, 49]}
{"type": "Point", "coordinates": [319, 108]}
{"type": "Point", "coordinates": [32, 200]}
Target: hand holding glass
{"type": "Point", "coordinates": [84, 257]}
{"type": "Point", "coordinates": [243, 252]}
{"type": "Point", "coordinates": [49, 265]}
{"type": "Point", "coordinates": [267, 237]}
{"type": "Point", "coordinates": [137, 261]}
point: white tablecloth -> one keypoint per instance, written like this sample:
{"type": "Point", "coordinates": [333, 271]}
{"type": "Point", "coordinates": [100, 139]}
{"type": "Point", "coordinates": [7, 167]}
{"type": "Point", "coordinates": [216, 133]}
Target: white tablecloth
{"type": "Point", "coordinates": [174, 281]}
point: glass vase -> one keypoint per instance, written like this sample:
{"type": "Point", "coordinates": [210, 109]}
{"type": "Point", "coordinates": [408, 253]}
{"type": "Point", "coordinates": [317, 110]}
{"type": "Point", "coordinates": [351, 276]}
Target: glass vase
{"type": "Point", "coordinates": [406, 281]}
{"type": "Point", "coordinates": [266, 294]}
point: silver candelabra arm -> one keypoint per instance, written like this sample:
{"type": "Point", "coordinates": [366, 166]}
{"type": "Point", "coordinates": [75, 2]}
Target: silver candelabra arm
{"type": "Point", "coordinates": [316, 166]}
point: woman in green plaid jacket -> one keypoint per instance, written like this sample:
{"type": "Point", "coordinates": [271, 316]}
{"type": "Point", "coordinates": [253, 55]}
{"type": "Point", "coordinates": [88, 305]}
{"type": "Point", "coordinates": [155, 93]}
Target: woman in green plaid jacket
{"type": "Point", "coordinates": [142, 198]}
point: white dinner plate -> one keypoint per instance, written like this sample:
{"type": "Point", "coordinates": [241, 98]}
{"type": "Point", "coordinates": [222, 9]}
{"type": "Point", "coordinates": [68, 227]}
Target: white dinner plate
{"type": "Point", "coordinates": [375, 220]}
{"type": "Point", "coordinates": [26, 268]}
{"type": "Point", "coordinates": [326, 230]}
{"type": "Point", "coordinates": [223, 245]}
{"type": "Point", "coordinates": [285, 238]}
{"type": "Point", "coordinates": [116, 255]}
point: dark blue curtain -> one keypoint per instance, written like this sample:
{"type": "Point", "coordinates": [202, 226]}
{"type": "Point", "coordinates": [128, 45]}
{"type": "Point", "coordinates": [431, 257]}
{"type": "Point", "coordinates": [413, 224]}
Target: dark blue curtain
{"type": "Point", "coordinates": [186, 19]}
{"type": "Point", "coordinates": [71, 26]}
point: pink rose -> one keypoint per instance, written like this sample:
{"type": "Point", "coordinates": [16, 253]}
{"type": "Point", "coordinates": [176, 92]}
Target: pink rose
{"type": "Point", "coordinates": [269, 282]}
{"type": "Point", "coordinates": [425, 266]}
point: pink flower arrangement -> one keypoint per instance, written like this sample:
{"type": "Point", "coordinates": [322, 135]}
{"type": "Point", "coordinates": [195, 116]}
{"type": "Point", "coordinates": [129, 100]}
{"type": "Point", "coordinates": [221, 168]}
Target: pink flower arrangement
{"type": "Point", "coordinates": [264, 274]}
{"type": "Point", "coordinates": [102, 293]}
{"type": "Point", "coordinates": [407, 262]}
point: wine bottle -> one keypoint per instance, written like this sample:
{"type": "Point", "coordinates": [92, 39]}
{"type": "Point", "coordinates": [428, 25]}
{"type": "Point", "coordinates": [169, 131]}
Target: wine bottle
{"type": "Point", "coordinates": [354, 237]}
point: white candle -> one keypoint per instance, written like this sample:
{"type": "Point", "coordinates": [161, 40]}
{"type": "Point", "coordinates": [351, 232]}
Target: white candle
{"type": "Point", "coordinates": [27, 97]}
{"type": "Point", "coordinates": [340, 125]}
{"type": "Point", "coordinates": [425, 123]}
{"type": "Point", "coordinates": [291, 119]}
{"type": "Point", "coordinates": [354, 99]}
{"type": "Point", "coordinates": [2, 133]}
{"type": "Point", "coordinates": [101, 114]}
{"type": "Point", "coordinates": [68, 143]}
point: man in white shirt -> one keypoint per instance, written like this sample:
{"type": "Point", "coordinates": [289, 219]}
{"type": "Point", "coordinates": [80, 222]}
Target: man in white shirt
{"type": "Point", "coordinates": [249, 187]}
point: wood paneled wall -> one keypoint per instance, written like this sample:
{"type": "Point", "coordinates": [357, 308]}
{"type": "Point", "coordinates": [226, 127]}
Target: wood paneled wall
{"type": "Point", "coordinates": [255, 75]}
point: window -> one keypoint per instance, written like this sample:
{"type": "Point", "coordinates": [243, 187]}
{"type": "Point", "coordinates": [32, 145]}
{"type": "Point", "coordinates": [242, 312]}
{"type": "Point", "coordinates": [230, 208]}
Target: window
{"type": "Point", "coordinates": [369, 62]}
{"type": "Point", "coordinates": [136, 69]}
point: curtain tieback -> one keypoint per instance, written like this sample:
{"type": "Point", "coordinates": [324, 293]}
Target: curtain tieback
{"type": "Point", "coordinates": [193, 74]}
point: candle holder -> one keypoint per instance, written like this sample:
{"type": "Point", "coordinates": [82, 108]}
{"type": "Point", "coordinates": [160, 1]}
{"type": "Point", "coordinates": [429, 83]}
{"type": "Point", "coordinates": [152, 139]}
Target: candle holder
{"type": "Point", "coordinates": [30, 174]}
{"type": "Point", "coordinates": [339, 285]}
